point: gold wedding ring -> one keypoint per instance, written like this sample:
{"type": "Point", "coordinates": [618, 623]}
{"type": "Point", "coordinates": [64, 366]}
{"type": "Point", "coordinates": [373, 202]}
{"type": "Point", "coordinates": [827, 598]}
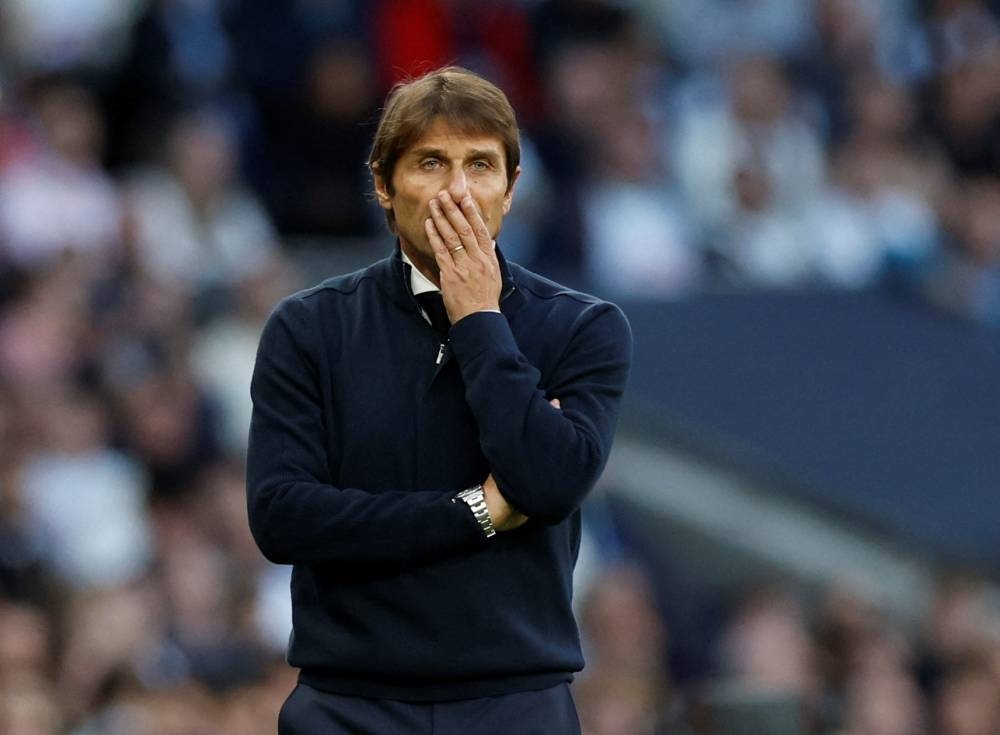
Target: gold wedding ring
{"type": "Point", "coordinates": [457, 248]}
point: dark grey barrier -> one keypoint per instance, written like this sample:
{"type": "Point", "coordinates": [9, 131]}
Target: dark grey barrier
{"type": "Point", "coordinates": [882, 409]}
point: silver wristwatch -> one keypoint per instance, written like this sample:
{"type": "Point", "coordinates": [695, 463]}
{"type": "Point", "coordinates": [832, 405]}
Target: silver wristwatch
{"type": "Point", "coordinates": [475, 498]}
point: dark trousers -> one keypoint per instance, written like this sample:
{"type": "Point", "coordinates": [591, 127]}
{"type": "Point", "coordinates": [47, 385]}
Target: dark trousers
{"type": "Point", "coordinates": [308, 711]}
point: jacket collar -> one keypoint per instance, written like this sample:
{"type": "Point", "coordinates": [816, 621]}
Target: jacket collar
{"type": "Point", "coordinates": [393, 277]}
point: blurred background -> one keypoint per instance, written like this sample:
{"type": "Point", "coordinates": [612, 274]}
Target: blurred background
{"type": "Point", "coordinates": [797, 202]}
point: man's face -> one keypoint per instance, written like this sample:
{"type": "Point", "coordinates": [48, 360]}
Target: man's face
{"type": "Point", "coordinates": [445, 159]}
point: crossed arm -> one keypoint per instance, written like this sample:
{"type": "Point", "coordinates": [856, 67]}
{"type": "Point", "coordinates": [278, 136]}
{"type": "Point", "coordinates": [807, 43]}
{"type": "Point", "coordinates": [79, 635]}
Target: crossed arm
{"type": "Point", "coordinates": [544, 454]}
{"type": "Point", "coordinates": [470, 282]}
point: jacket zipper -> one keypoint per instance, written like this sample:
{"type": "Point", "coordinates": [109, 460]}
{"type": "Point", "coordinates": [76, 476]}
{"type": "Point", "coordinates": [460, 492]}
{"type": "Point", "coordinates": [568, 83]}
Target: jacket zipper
{"type": "Point", "coordinates": [444, 345]}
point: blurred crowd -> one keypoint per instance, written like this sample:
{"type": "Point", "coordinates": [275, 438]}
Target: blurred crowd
{"type": "Point", "coordinates": [161, 159]}
{"type": "Point", "coordinates": [784, 660]}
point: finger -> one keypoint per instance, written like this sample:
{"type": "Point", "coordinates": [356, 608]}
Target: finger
{"type": "Point", "coordinates": [441, 255]}
{"type": "Point", "coordinates": [555, 403]}
{"type": "Point", "coordinates": [452, 240]}
{"type": "Point", "coordinates": [457, 218]}
{"type": "Point", "coordinates": [479, 229]}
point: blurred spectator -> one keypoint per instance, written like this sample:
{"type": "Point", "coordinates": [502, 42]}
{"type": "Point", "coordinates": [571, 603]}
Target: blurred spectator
{"type": "Point", "coordinates": [968, 702]}
{"type": "Point", "coordinates": [410, 37]}
{"type": "Point", "coordinates": [587, 54]}
{"type": "Point", "coordinates": [22, 574]}
{"type": "Point", "coordinates": [105, 634]}
{"type": "Point", "coordinates": [42, 331]}
{"type": "Point", "coordinates": [53, 35]}
{"type": "Point", "coordinates": [858, 39]}
{"type": "Point", "coordinates": [316, 175]}
{"type": "Point", "coordinates": [959, 627]}
{"type": "Point", "coordinates": [222, 354]}
{"type": "Point", "coordinates": [626, 688]}
{"type": "Point", "coordinates": [882, 695]}
{"type": "Point", "coordinates": [966, 114]}
{"type": "Point", "coordinates": [882, 116]}
{"type": "Point", "coordinates": [72, 483]}
{"type": "Point", "coordinates": [637, 242]}
{"type": "Point", "coordinates": [578, 83]}
{"type": "Point", "coordinates": [197, 226]}
{"type": "Point", "coordinates": [59, 199]}
{"type": "Point", "coordinates": [621, 703]}
{"type": "Point", "coordinates": [846, 46]}
{"type": "Point", "coordinates": [29, 710]}
{"type": "Point", "coordinates": [561, 25]}
{"type": "Point", "coordinates": [710, 31]}
{"type": "Point", "coordinates": [167, 422]}
{"type": "Point", "coordinates": [274, 45]}
{"type": "Point", "coordinates": [847, 619]}
{"type": "Point", "coordinates": [862, 227]}
{"type": "Point", "coordinates": [748, 162]}
{"type": "Point", "coordinates": [178, 711]}
{"type": "Point", "coordinates": [220, 507]}
{"type": "Point", "coordinates": [963, 104]}
{"type": "Point", "coordinates": [877, 216]}
{"type": "Point", "coordinates": [26, 647]}
{"type": "Point", "coordinates": [16, 141]}
{"type": "Point", "coordinates": [762, 243]}
{"type": "Point", "coordinates": [966, 277]}
{"type": "Point", "coordinates": [883, 703]}
{"type": "Point", "coordinates": [207, 638]}
{"type": "Point", "coordinates": [533, 208]}
{"type": "Point", "coordinates": [179, 57]}
{"type": "Point", "coordinates": [767, 644]}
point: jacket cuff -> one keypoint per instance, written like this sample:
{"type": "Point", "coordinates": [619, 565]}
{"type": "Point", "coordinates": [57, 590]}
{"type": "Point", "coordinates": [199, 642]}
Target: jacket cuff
{"type": "Point", "coordinates": [479, 332]}
{"type": "Point", "coordinates": [465, 522]}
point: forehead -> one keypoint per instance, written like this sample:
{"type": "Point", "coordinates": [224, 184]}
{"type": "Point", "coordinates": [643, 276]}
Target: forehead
{"type": "Point", "coordinates": [446, 136]}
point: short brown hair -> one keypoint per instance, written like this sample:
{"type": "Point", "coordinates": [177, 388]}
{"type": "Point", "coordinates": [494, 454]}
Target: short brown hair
{"type": "Point", "coordinates": [464, 99]}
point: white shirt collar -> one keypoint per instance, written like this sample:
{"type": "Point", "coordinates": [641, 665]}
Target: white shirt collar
{"type": "Point", "coordinates": [419, 283]}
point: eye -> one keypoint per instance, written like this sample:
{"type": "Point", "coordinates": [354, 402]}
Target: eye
{"type": "Point", "coordinates": [430, 164]}
{"type": "Point", "coordinates": [481, 165]}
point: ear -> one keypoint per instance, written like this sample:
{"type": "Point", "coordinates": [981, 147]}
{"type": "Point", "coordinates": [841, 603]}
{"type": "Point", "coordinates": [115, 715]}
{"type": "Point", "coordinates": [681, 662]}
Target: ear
{"type": "Point", "coordinates": [508, 198]}
{"type": "Point", "coordinates": [382, 191]}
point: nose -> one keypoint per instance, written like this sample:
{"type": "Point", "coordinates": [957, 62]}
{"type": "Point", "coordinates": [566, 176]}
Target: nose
{"type": "Point", "coordinates": [458, 186]}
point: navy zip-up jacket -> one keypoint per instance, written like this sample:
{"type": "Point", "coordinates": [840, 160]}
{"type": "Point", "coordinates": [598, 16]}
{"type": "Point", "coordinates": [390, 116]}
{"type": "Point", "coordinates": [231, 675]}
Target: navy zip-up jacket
{"type": "Point", "coordinates": [364, 427]}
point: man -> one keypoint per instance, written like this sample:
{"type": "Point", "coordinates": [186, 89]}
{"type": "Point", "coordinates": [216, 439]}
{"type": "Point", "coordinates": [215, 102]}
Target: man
{"type": "Point", "coordinates": [423, 466]}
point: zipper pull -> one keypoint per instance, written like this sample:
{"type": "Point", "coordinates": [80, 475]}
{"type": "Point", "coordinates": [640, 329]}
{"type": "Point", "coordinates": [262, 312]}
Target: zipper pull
{"type": "Point", "coordinates": [440, 356]}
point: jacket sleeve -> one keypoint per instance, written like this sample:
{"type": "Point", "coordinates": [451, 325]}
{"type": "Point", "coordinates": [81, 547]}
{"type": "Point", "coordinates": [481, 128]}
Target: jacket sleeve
{"type": "Point", "coordinates": [545, 460]}
{"type": "Point", "coordinates": [297, 515]}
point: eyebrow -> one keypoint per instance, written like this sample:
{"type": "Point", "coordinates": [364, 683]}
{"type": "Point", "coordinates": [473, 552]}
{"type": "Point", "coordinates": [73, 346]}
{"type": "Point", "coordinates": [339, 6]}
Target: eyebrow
{"type": "Point", "coordinates": [490, 155]}
{"type": "Point", "coordinates": [474, 154]}
{"type": "Point", "coordinates": [427, 152]}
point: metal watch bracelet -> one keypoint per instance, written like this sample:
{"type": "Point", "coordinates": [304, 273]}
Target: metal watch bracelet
{"type": "Point", "coordinates": [475, 498]}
